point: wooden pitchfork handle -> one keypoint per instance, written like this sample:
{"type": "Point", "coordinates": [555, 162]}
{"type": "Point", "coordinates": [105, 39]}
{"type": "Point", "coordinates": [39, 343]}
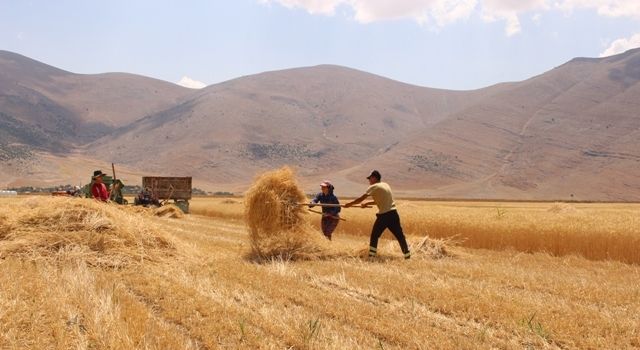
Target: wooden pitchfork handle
{"type": "Point", "coordinates": [335, 217]}
{"type": "Point", "coordinates": [170, 194]}
{"type": "Point", "coordinates": [328, 205]}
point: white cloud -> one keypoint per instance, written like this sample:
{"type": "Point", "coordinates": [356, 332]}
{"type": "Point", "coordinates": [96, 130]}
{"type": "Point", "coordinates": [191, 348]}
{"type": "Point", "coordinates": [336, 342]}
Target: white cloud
{"type": "Point", "coordinates": [508, 11]}
{"type": "Point", "coordinates": [190, 83]}
{"type": "Point", "coordinates": [514, 6]}
{"type": "Point", "coordinates": [440, 12]}
{"type": "Point", "coordinates": [324, 7]}
{"type": "Point", "coordinates": [608, 8]}
{"type": "Point", "coordinates": [513, 25]}
{"type": "Point", "coordinates": [443, 12]}
{"type": "Point", "coordinates": [446, 12]}
{"type": "Point", "coordinates": [437, 12]}
{"type": "Point", "coordinates": [621, 45]}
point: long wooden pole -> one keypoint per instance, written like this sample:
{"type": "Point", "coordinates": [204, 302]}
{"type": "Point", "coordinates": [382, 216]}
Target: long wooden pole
{"type": "Point", "coordinates": [319, 212]}
{"type": "Point", "coordinates": [329, 205]}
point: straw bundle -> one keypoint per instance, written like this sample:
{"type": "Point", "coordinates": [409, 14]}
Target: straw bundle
{"type": "Point", "coordinates": [430, 248]}
{"type": "Point", "coordinates": [421, 248]}
{"type": "Point", "coordinates": [169, 211]}
{"type": "Point", "coordinates": [277, 225]}
{"type": "Point", "coordinates": [101, 234]}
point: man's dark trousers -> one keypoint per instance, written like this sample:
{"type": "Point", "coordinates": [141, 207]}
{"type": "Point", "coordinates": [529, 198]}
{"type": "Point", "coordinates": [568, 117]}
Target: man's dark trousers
{"type": "Point", "coordinates": [389, 220]}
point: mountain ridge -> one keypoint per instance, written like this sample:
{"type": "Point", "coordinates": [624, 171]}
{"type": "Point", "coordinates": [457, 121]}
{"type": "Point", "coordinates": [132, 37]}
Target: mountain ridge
{"type": "Point", "coordinates": [560, 134]}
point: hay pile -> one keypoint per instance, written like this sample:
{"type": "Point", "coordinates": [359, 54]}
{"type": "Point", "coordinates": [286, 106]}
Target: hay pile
{"type": "Point", "coordinates": [168, 211]}
{"type": "Point", "coordinates": [62, 228]}
{"type": "Point", "coordinates": [421, 248]}
{"type": "Point", "coordinates": [278, 227]}
{"type": "Point", "coordinates": [430, 248]}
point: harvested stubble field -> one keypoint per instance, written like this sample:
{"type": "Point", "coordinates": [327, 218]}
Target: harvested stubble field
{"type": "Point", "coordinates": [190, 282]}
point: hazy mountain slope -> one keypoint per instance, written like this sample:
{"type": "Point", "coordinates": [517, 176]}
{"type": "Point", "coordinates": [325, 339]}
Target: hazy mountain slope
{"type": "Point", "coordinates": [75, 108]}
{"type": "Point", "coordinates": [321, 119]}
{"type": "Point", "coordinates": [572, 130]}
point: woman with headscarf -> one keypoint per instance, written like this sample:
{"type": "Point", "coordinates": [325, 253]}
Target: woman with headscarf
{"type": "Point", "coordinates": [330, 215]}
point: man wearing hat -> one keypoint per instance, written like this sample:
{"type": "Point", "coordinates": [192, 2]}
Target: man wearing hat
{"type": "Point", "coordinates": [387, 216]}
{"type": "Point", "coordinates": [98, 188]}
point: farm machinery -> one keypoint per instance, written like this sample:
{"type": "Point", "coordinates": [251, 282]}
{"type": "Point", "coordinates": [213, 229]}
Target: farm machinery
{"type": "Point", "coordinates": [156, 190]}
{"type": "Point", "coordinates": [160, 190]}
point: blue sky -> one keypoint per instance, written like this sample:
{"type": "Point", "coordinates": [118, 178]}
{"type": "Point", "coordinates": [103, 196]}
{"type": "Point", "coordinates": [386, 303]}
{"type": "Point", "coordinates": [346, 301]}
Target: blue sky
{"type": "Point", "coordinates": [453, 44]}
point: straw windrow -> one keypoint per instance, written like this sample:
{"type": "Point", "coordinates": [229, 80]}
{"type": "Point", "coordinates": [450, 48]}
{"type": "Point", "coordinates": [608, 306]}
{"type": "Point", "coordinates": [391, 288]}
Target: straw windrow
{"type": "Point", "coordinates": [169, 211]}
{"type": "Point", "coordinates": [68, 228]}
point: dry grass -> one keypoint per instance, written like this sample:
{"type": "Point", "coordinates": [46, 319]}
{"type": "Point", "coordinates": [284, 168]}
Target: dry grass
{"type": "Point", "coordinates": [204, 293]}
{"type": "Point", "coordinates": [430, 248]}
{"type": "Point", "coordinates": [66, 228]}
{"type": "Point", "coordinates": [74, 306]}
{"type": "Point", "coordinates": [276, 223]}
{"type": "Point", "coordinates": [562, 208]}
{"type": "Point", "coordinates": [222, 208]}
{"type": "Point", "coordinates": [168, 211]}
{"type": "Point", "coordinates": [597, 231]}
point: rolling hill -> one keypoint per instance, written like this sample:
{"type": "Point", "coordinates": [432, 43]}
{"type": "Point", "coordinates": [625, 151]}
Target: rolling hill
{"type": "Point", "coordinates": [49, 108]}
{"type": "Point", "coordinates": [320, 119]}
{"type": "Point", "coordinates": [570, 133]}
{"type": "Point", "coordinates": [573, 132]}
{"type": "Point", "coordinates": [48, 112]}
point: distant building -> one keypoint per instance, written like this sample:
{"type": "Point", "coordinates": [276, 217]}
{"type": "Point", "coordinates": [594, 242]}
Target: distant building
{"type": "Point", "coordinates": [5, 193]}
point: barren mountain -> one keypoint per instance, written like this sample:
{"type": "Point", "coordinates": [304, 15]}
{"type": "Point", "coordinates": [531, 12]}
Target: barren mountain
{"type": "Point", "coordinates": [46, 113]}
{"type": "Point", "coordinates": [320, 119]}
{"type": "Point", "coordinates": [53, 110]}
{"type": "Point", "coordinates": [572, 132]}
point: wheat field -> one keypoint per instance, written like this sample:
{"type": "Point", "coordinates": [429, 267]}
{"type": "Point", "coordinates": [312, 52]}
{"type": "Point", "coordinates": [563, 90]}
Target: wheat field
{"type": "Point", "coordinates": [189, 283]}
{"type": "Point", "coordinates": [596, 231]}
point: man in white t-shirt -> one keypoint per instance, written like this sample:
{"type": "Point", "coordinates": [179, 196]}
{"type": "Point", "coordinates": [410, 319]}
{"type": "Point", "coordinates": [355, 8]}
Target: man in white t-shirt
{"type": "Point", "coordinates": [387, 216]}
